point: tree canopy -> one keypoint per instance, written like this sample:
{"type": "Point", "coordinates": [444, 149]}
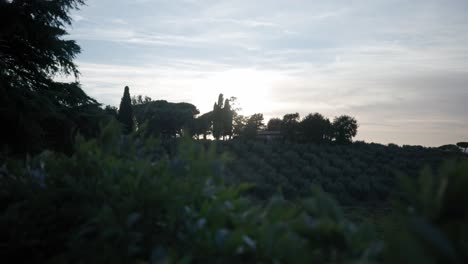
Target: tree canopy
{"type": "Point", "coordinates": [274, 124]}
{"type": "Point", "coordinates": [254, 123]}
{"type": "Point", "coordinates": [202, 125]}
{"type": "Point", "coordinates": [164, 118]}
{"type": "Point", "coordinates": [222, 117]}
{"type": "Point", "coordinates": [345, 128]}
{"type": "Point", "coordinates": [463, 145]}
{"type": "Point", "coordinates": [290, 125]}
{"type": "Point", "coordinates": [41, 112]}
{"type": "Point", "coordinates": [315, 128]}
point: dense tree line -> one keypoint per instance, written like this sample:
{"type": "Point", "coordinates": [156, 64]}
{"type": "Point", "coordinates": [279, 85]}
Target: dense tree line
{"type": "Point", "coordinates": [315, 128]}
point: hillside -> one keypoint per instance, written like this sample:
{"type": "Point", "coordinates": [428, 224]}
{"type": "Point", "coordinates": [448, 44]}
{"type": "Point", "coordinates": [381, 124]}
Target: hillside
{"type": "Point", "coordinates": [359, 173]}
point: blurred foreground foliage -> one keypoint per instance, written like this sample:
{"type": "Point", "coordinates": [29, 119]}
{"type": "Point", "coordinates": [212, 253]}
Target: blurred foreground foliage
{"type": "Point", "coordinates": [122, 199]}
{"type": "Point", "coordinates": [431, 223]}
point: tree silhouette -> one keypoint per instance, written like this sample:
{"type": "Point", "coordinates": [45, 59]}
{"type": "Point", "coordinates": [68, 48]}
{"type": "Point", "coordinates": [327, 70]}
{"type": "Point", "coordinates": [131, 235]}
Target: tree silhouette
{"type": "Point", "coordinates": [463, 145]}
{"type": "Point", "coordinates": [111, 111]}
{"type": "Point", "coordinates": [39, 111]}
{"type": "Point", "coordinates": [315, 128]}
{"type": "Point", "coordinates": [449, 148]}
{"type": "Point", "coordinates": [274, 124]}
{"type": "Point", "coordinates": [290, 126]}
{"type": "Point", "coordinates": [344, 129]}
{"type": "Point", "coordinates": [203, 125]}
{"type": "Point", "coordinates": [166, 119]}
{"type": "Point", "coordinates": [218, 118]}
{"type": "Point", "coordinates": [254, 123]}
{"type": "Point", "coordinates": [125, 115]}
{"type": "Point", "coordinates": [222, 117]}
{"type": "Point", "coordinates": [238, 125]}
{"type": "Point", "coordinates": [227, 119]}
{"type": "Point", "coordinates": [139, 99]}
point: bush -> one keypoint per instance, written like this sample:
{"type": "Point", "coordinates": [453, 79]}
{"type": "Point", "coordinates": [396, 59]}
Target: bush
{"type": "Point", "coordinates": [107, 203]}
{"type": "Point", "coordinates": [122, 200]}
{"type": "Point", "coordinates": [432, 219]}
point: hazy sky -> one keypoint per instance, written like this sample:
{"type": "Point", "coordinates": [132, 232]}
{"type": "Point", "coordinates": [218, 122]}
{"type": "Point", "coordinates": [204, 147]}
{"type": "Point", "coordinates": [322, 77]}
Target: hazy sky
{"type": "Point", "coordinates": [399, 67]}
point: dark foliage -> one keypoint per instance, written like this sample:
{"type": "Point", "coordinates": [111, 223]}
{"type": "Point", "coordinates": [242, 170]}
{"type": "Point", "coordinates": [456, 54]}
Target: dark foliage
{"type": "Point", "coordinates": [134, 199]}
{"type": "Point", "coordinates": [316, 128]}
{"type": "Point", "coordinates": [356, 174]}
{"type": "Point", "coordinates": [119, 201]}
{"type": "Point", "coordinates": [165, 119]}
{"type": "Point", "coordinates": [290, 126]}
{"type": "Point", "coordinates": [450, 148]}
{"type": "Point", "coordinates": [344, 129]}
{"type": "Point", "coordinates": [125, 115]}
{"type": "Point", "coordinates": [37, 112]}
{"type": "Point", "coordinates": [274, 124]}
{"type": "Point", "coordinates": [123, 200]}
{"type": "Point", "coordinates": [222, 118]}
{"type": "Point", "coordinates": [228, 115]}
{"type": "Point", "coordinates": [218, 118]}
{"type": "Point", "coordinates": [203, 125]}
{"type": "Point", "coordinates": [253, 124]}
{"type": "Point", "coordinates": [431, 219]}
{"type": "Point", "coordinates": [463, 145]}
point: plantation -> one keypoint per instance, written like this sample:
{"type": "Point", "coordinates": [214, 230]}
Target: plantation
{"type": "Point", "coordinates": [357, 174]}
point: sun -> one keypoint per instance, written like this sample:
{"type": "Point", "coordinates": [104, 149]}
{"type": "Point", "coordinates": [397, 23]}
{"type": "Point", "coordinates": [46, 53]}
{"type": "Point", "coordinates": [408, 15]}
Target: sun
{"type": "Point", "coordinates": [251, 87]}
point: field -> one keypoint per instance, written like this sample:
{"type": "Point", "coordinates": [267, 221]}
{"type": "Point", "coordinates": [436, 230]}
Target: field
{"type": "Point", "coordinates": [356, 174]}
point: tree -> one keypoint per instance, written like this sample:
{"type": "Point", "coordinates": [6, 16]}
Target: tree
{"type": "Point", "coordinates": [290, 126]}
{"type": "Point", "coordinates": [315, 128]}
{"type": "Point", "coordinates": [202, 125]}
{"type": "Point", "coordinates": [463, 145]}
{"type": "Point", "coordinates": [274, 124]}
{"type": "Point", "coordinates": [227, 119]}
{"type": "Point", "coordinates": [239, 123]}
{"type": "Point", "coordinates": [39, 111]}
{"type": "Point", "coordinates": [223, 116]}
{"type": "Point", "coordinates": [218, 118]}
{"type": "Point", "coordinates": [125, 115]}
{"type": "Point", "coordinates": [254, 123]}
{"type": "Point", "coordinates": [450, 148]}
{"type": "Point", "coordinates": [111, 111]}
{"type": "Point", "coordinates": [139, 99]}
{"type": "Point", "coordinates": [344, 129]}
{"type": "Point", "coordinates": [166, 119]}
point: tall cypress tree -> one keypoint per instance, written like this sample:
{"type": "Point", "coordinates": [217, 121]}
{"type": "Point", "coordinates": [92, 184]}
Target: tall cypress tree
{"type": "Point", "coordinates": [125, 115]}
{"type": "Point", "coordinates": [227, 119]}
{"type": "Point", "coordinates": [218, 118]}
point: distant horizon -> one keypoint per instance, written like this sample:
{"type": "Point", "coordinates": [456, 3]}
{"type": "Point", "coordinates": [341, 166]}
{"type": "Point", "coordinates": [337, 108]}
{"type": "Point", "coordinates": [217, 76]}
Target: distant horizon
{"type": "Point", "coordinates": [400, 68]}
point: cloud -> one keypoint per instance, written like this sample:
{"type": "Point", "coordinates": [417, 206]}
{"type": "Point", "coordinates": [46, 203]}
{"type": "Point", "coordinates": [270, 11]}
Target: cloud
{"type": "Point", "coordinates": [399, 66]}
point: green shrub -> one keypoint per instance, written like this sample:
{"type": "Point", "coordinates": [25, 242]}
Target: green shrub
{"type": "Point", "coordinates": [112, 201]}
{"type": "Point", "coordinates": [432, 219]}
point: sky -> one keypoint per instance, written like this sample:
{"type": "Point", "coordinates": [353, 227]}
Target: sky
{"type": "Point", "coordinates": [399, 67]}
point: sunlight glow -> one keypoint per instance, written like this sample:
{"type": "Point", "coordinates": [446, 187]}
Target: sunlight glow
{"type": "Point", "coordinates": [252, 88]}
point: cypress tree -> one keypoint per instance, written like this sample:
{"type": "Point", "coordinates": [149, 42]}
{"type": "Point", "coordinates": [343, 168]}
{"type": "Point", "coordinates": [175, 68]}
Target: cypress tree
{"type": "Point", "coordinates": [227, 119]}
{"type": "Point", "coordinates": [125, 115]}
{"type": "Point", "coordinates": [218, 118]}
